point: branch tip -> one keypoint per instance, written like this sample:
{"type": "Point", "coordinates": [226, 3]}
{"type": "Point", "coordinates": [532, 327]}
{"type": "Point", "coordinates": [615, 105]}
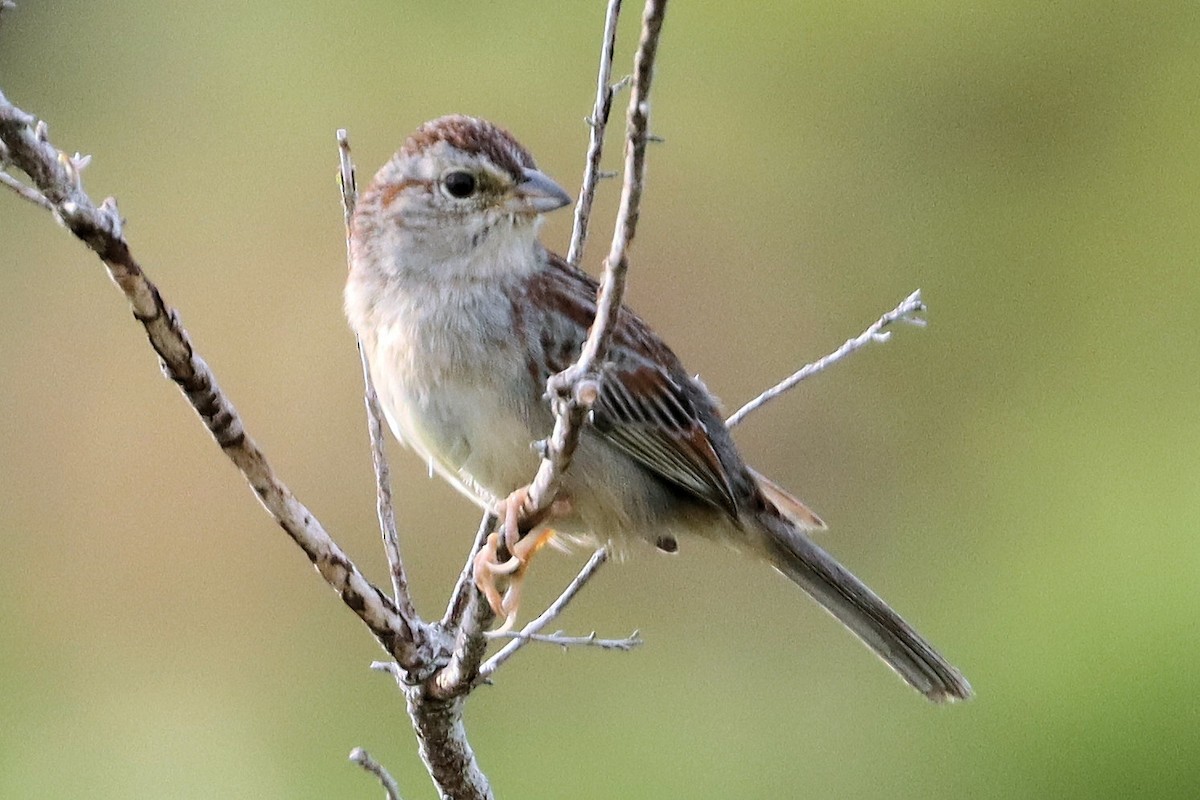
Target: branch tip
{"type": "Point", "coordinates": [566, 642]}
{"type": "Point", "coordinates": [905, 312]}
{"type": "Point", "coordinates": [597, 121]}
{"type": "Point", "coordinates": [363, 759]}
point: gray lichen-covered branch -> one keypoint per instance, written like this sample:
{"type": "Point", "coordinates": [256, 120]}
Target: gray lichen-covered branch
{"type": "Point", "coordinates": [56, 178]}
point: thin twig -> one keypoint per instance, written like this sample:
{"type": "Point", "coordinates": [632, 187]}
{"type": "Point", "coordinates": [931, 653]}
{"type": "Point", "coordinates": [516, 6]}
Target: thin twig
{"type": "Point", "coordinates": [457, 605]}
{"type": "Point", "coordinates": [25, 192]}
{"type": "Point", "coordinates": [564, 641]}
{"type": "Point", "coordinates": [573, 390]}
{"type": "Point", "coordinates": [597, 122]}
{"type": "Point", "coordinates": [56, 176]}
{"type": "Point", "coordinates": [534, 626]}
{"type": "Point", "coordinates": [363, 759]}
{"type": "Point", "coordinates": [568, 422]}
{"type": "Point", "coordinates": [905, 312]}
{"type": "Point", "coordinates": [384, 506]}
{"type": "Point", "coordinates": [435, 709]}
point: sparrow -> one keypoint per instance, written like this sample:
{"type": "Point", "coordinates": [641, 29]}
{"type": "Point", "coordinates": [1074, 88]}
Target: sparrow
{"type": "Point", "coordinates": [464, 315]}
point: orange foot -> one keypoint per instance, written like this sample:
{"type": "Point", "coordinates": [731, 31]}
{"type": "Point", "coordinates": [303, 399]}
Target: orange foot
{"type": "Point", "coordinates": [488, 567]}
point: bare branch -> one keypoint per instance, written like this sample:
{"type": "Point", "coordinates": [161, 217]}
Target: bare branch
{"type": "Point", "coordinates": [463, 587]}
{"type": "Point", "coordinates": [23, 191]}
{"type": "Point", "coordinates": [598, 123]}
{"type": "Point", "coordinates": [435, 708]}
{"type": "Point", "coordinates": [468, 617]}
{"type": "Point", "coordinates": [905, 312]}
{"type": "Point", "coordinates": [561, 639]}
{"type": "Point", "coordinates": [441, 737]}
{"type": "Point", "coordinates": [442, 743]}
{"type": "Point", "coordinates": [534, 626]}
{"type": "Point", "coordinates": [470, 645]}
{"type": "Point", "coordinates": [573, 390]}
{"type": "Point", "coordinates": [384, 505]}
{"type": "Point", "coordinates": [56, 176]}
{"type": "Point", "coordinates": [390, 788]}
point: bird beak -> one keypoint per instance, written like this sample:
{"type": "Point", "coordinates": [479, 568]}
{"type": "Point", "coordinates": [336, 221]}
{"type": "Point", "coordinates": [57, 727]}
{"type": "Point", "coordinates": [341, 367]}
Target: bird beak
{"type": "Point", "coordinates": [537, 193]}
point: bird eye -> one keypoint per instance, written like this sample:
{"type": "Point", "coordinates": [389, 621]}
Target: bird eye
{"type": "Point", "coordinates": [459, 184]}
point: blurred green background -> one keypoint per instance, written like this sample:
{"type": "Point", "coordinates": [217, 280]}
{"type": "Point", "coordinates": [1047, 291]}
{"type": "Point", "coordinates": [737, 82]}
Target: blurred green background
{"type": "Point", "coordinates": [1020, 479]}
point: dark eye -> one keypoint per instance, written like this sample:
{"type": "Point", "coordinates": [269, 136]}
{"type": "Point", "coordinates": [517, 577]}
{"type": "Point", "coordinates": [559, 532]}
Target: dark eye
{"type": "Point", "coordinates": [459, 184]}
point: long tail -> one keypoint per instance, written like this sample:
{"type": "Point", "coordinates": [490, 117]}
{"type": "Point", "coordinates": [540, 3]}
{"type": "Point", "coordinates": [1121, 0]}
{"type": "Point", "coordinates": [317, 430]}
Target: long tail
{"type": "Point", "coordinates": [862, 611]}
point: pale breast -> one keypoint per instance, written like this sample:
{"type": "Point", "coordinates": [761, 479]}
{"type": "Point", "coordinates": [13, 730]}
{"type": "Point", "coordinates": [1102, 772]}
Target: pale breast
{"type": "Point", "coordinates": [465, 404]}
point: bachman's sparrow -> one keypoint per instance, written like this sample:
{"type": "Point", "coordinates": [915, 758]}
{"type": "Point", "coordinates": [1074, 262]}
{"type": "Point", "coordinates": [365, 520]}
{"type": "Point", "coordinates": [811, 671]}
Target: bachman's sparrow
{"type": "Point", "coordinates": [464, 315]}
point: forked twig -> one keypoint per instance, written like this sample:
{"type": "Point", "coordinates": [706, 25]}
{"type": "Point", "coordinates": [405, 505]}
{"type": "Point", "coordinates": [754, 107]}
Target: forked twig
{"type": "Point", "coordinates": [573, 390]}
{"type": "Point", "coordinates": [531, 629]}
{"type": "Point", "coordinates": [597, 126]}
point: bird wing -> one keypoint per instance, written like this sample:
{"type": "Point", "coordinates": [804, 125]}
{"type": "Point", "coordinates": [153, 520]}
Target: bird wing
{"type": "Point", "coordinates": [646, 413]}
{"type": "Point", "coordinates": [648, 407]}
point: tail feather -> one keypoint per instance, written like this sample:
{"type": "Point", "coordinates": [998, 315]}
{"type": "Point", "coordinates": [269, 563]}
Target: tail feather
{"type": "Point", "coordinates": [787, 504]}
{"type": "Point", "coordinates": [863, 612]}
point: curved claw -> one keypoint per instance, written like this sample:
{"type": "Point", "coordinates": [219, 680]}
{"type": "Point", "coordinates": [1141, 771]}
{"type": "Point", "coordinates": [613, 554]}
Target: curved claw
{"type": "Point", "coordinates": [511, 508]}
{"type": "Point", "coordinates": [488, 566]}
{"type": "Point", "coordinates": [485, 569]}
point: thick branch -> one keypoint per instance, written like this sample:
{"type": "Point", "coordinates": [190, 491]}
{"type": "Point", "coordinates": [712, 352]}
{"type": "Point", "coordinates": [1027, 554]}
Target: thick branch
{"type": "Point", "coordinates": [454, 769]}
{"type": "Point", "coordinates": [57, 179]}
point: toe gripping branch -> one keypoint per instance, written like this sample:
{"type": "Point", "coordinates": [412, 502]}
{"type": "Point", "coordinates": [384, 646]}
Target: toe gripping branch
{"type": "Point", "coordinates": [507, 556]}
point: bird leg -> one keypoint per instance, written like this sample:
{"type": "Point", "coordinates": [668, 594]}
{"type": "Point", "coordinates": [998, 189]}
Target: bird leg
{"type": "Point", "coordinates": [521, 546]}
